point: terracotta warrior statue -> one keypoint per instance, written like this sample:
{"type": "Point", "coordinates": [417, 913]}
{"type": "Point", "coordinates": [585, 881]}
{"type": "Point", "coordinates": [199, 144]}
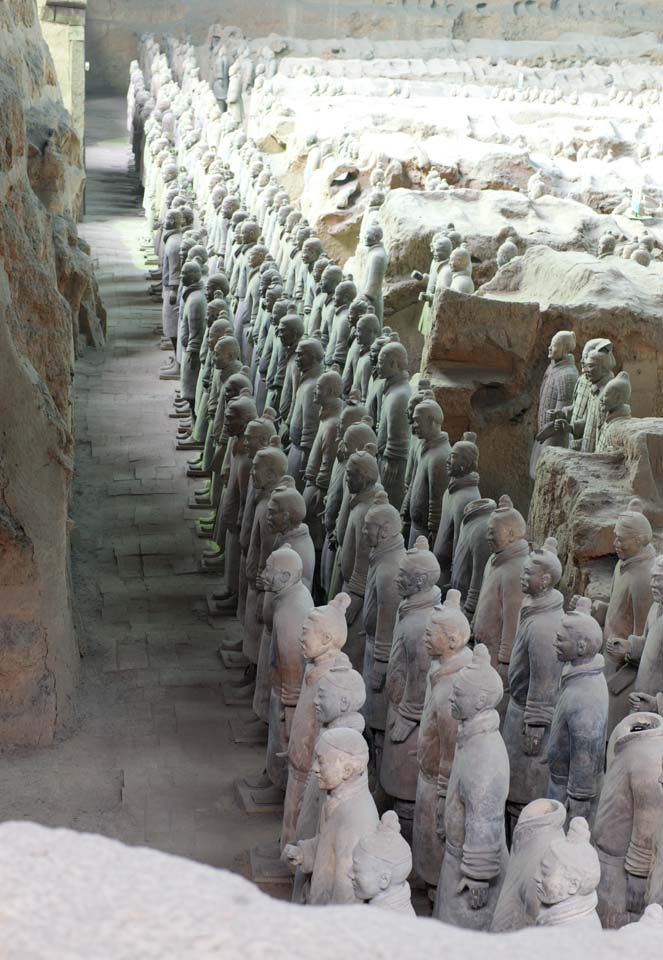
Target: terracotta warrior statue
{"type": "Point", "coordinates": [348, 814]}
{"type": "Point", "coordinates": [615, 406]}
{"type": "Point", "coordinates": [496, 616]}
{"type": "Point", "coordinates": [381, 864]}
{"type": "Point", "coordinates": [441, 250]}
{"type": "Point", "coordinates": [323, 635]}
{"type": "Point", "coordinates": [566, 881]}
{"type": "Point", "coordinates": [556, 394]}
{"type": "Point", "coordinates": [304, 418]}
{"type": "Point", "coordinates": [472, 552]}
{"type": "Point", "coordinates": [540, 822]}
{"type": "Point", "coordinates": [630, 805]}
{"type": "Point", "coordinates": [367, 333]}
{"type": "Point", "coordinates": [393, 432]}
{"type": "Point", "coordinates": [446, 639]}
{"type": "Point", "coordinates": [361, 479]}
{"type": "Point", "coordinates": [574, 417]}
{"type": "Point", "coordinates": [375, 270]}
{"type": "Point", "coordinates": [534, 672]}
{"type": "Point", "coordinates": [654, 891]}
{"type": "Point", "coordinates": [647, 651]}
{"type": "Point", "coordinates": [425, 491]}
{"type": "Point", "coordinates": [578, 731]}
{"type": "Point", "coordinates": [463, 487]}
{"type": "Point", "coordinates": [625, 615]}
{"type": "Point", "coordinates": [475, 856]}
{"type": "Point", "coordinates": [406, 679]}
{"type": "Point", "coordinates": [382, 532]}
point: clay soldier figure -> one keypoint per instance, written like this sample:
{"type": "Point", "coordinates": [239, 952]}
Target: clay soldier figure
{"type": "Point", "coordinates": [441, 249]}
{"type": "Point", "coordinates": [615, 406]}
{"type": "Point", "coordinates": [348, 814]}
{"type": "Point", "coordinates": [647, 651]}
{"type": "Point", "coordinates": [472, 552]}
{"type": "Point", "coordinates": [462, 489]}
{"type": "Point", "coordinates": [556, 394]}
{"type": "Point", "coordinates": [323, 635]}
{"type": "Point", "coordinates": [534, 672]}
{"type": "Point", "coordinates": [496, 616]}
{"type": "Point", "coordinates": [446, 639]}
{"type": "Point", "coordinates": [359, 308]}
{"type": "Point", "coordinates": [194, 312]}
{"type": "Point", "coordinates": [475, 856]}
{"type": "Point", "coordinates": [313, 313]}
{"type": "Point", "coordinates": [170, 277]}
{"type": "Point", "coordinates": [579, 725]}
{"type": "Point", "coordinates": [304, 418]}
{"type": "Point", "coordinates": [289, 332]}
{"type": "Point", "coordinates": [406, 679]}
{"type": "Point", "coordinates": [381, 864]}
{"type": "Point", "coordinates": [566, 881]}
{"type": "Point", "coordinates": [341, 695]}
{"type": "Point", "coordinates": [599, 372]}
{"type": "Point", "coordinates": [575, 416]}
{"type": "Point", "coordinates": [320, 322]}
{"type": "Point", "coordinates": [394, 432]}
{"type": "Point", "coordinates": [630, 601]}
{"type": "Point", "coordinates": [361, 478]}
{"type": "Point", "coordinates": [339, 335]}
{"type": "Point", "coordinates": [368, 330]}
{"type": "Point", "coordinates": [654, 891]}
{"type": "Point", "coordinates": [629, 808]}
{"type": "Point", "coordinates": [541, 822]}
{"type": "Point", "coordinates": [320, 464]}
{"type": "Point", "coordinates": [382, 532]}
{"type": "Point", "coordinates": [423, 499]}
{"type": "Point", "coordinates": [375, 270]}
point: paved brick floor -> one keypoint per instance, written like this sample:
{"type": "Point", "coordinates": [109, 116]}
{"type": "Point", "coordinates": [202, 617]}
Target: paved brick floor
{"type": "Point", "coordinates": [151, 759]}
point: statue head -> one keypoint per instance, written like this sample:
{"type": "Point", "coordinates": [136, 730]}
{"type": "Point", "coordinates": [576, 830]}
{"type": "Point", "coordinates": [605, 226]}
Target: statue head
{"type": "Point", "coordinates": [173, 221]}
{"type": "Point", "coordinates": [290, 330]}
{"type": "Point", "coordinates": [340, 691]}
{"type": "Point", "coordinates": [229, 206]}
{"type": "Point", "coordinates": [506, 252]}
{"type": "Point", "coordinates": [309, 353]}
{"type": "Point", "coordinates": [191, 273]}
{"type": "Point", "coordinates": [344, 293]}
{"type": "Point", "coordinates": [250, 232]}
{"type": "Point", "coordinates": [328, 387]}
{"type": "Point", "coordinates": [392, 360]}
{"type": "Point", "coordinates": [460, 260]}
{"type": "Point", "coordinates": [332, 276]}
{"type": "Point", "coordinates": [373, 235]}
{"type": "Point", "coordinates": [570, 866]}
{"type": "Point", "coordinates": [464, 456]}
{"type": "Point", "coordinates": [441, 247]}
{"type": "Point", "coordinates": [218, 322]}
{"type": "Point", "coordinates": [448, 629]}
{"type": "Point", "coordinates": [382, 521]}
{"type": "Point", "coordinates": [311, 250]}
{"type": "Point", "coordinates": [238, 414]}
{"type": "Point", "coordinates": [238, 384]}
{"type": "Point", "coordinates": [579, 635]}
{"type": "Point", "coordinates": [283, 569]}
{"type": "Point", "coordinates": [269, 465]}
{"type": "Point", "coordinates": [657, 580]}
{"type": "Point", "coordinates": [198, 252]}
{"type": "Point", "coordinates": [356, 435]}
{"type": "Point", "coordinates": [217, 283]}
{"type": "Point", "coordinates": [301, 234]}
{"type": "Point", "coordinates": [341, 754]}
{"type": "Point", "coordinates": [427, 419]}
{"type": "Point", "coordinates": [563, 343]}
{"type": "Point", "coordinates": [260, 431]}
{"type": "Point", "coordinates": [603, 346]}
{"type": "Point", "coordinates": [607, 244]}
{"type": "Point", "coordinates": [505, 526]}
{"type": "Point", "coordinates": [632, 531]}
{"type": "Point", "coordinates": [419, 570]}
{"type": "Point", "coordinates": [597, 365]}
{"type": "Point", "coordinates": [286, 508]}
{"type": "Point", "coordinates": [477, 687]}
{"type": "Point", "coordinates": [368, 329]}
{"type": "Point", "coordinates": [362, 469]}
{"type": "Point", "coordinates": [325, 629]}
{"type": "Point", "coordinates": [616, 394]}
{"type": "Point", "coordinates": [381, 860]}
{"type": "Point", "coordinates": [256, 256]}
{"type": "Point", "coordinates": [219, 194]}
{"type": "Point", "coordinates": [319, 268]}
{"type": "Point", "coordinates": [542, 570]}
{"type": "Point", "coordinates": [357, 309]}
{"type": "Point", "coordinates": [226, 352]}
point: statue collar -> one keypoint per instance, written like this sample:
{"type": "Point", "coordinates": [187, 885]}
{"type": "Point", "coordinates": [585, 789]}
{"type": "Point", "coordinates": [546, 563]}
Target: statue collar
{"type": "Point", "coordinates": [623, 412]}
{"type": "Point", "coordinates": [470, 479]}
{"type": "Point", "coordinates": [427, 598]}
{"type": "Point", "coordinates": [299, 532]}
{"type": "Point", "coordinates": [192, 289]}
{"type": "Point", "coordinates": [591, 668]}
{"type": "Point", "coordinates": [396, 898]}
{"type": "Point", "coordinates": [394, 381]}
{"type": "Point", "coordinates": [346, 791]}
{"type": "Point", "coordinates": [488, 721]}
{"type": "Point", "coordinates": [551, 822]}
{"type": "Point", "coordinates": [478, 508]}
{"type": "Point", "coordinates": [575, 908]}
{"type": "Point", "coordinates": [545, 603]}
{"type": "Point", "coordinates": [285, 595]}
{"type": "Point", "coordinates": [519, 548]}
{"type": "Point", "coordinates": [439, 441]}
{"type": "Point", "coordinates": [445, 667]}
{"type": "Point", "coordinates": [233, 367]}
{"type": "Point", "coordinates": [391, 545]}
{"type": "Point", "coordinates": [597, 387]}
{"type": "Point", "coordinates": [646, 555]}
{"type": "Point", "coordinates": [353, 720]}
{"type": "Point", "coordinates": [364, 495]}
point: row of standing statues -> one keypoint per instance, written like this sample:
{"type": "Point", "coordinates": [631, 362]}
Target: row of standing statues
{"type": "Point", "coordinates": [430, 708]}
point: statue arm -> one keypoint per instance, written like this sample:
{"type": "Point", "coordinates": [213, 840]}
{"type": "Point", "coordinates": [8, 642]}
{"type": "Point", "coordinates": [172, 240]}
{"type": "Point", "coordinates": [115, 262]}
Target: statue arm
{"type": "Point", "coordinates": [437, 484]}
{"type": "Point", "coordinates": [308, 850]}
{"type": "Point", "coordinates": [384, 627]}
{"type": "Point", "coordinates": [480, 558]}
{"type": "Point", "coordinates": [646, 793]}
{"type": "Point", "coordinates": [511, 602]}
{"type": "Point", "coordinates": [398, 431]}
{"type": "Point", "coordinates": [484, 832]}
{"type": "Point", "coordinates": [586, 750]}
{"type": "Point", "coordinates": [543, 681]}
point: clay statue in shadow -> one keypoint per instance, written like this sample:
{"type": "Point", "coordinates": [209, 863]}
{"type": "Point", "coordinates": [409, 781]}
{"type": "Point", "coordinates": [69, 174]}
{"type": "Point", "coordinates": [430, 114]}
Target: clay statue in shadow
{"type": "Point", "coordinates": [425, 491]}
{"type": "Point", "coordinates": [394, 432]}
{"type": "Point", "coordinates": [472, 552]}
{"type": "Point", "coordinates": [446, 638]}
{"type": "Point", "coordinates": [463, 487]}
{"type": "Point", "coordinates": [475, 855]}
{"type": "Point", "coordinates": [556, 394]}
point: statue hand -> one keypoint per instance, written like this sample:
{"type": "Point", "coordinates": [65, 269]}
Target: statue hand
{"type": "Point", "coordinates": [643, 703]}
{"type": "Point", "coordinates": [439, 819]}
{"type": "Point", "coordinates": [617, 649]}
{"type": "Point", "coordinates": [378, 676]}
{"type": "Point", "coordinates": [401, 729]}
{"type": "Point", "coordinates": [478, 892]}
{"type": "Point", "coordinates": [533, 740]}
{"type": "Point", "coordinates": [562, 426]}
{"type": "Point", "coordinates": [635, 894]}
{"type": "Point", "coordinates": [292, 855]}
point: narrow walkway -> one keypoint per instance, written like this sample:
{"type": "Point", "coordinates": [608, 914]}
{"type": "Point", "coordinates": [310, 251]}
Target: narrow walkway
{"type": "Point", "coordinates": [151, 760]}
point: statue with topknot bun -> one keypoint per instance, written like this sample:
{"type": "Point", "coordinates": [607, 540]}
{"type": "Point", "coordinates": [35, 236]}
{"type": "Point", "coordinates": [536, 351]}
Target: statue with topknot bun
{"type": "Point", "coordinates": [381, 864]}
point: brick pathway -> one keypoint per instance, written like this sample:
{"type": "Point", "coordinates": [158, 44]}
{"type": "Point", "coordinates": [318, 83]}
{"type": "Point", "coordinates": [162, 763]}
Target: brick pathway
{"type": "Point", "coordinates": [151, 760]}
